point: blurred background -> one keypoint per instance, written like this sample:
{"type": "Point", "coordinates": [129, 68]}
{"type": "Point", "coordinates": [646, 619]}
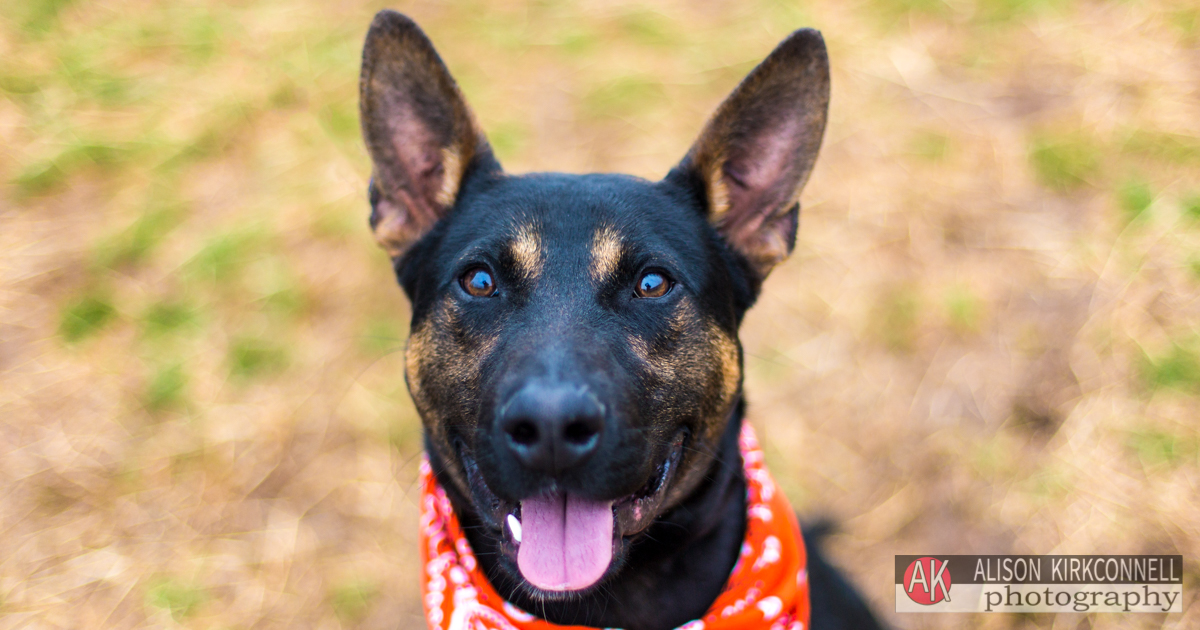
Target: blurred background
{"type": "Point", "coordinates": [987, 341]}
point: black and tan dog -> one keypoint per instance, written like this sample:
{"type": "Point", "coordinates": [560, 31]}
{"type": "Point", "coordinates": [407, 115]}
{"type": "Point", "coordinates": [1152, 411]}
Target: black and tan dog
{"type": "Point", "coordinates": [574, 353]}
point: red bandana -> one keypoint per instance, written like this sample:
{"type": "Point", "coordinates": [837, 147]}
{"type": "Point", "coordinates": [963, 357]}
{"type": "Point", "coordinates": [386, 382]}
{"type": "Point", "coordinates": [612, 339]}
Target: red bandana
{"type": "Point", "coordinates": [767, 590]}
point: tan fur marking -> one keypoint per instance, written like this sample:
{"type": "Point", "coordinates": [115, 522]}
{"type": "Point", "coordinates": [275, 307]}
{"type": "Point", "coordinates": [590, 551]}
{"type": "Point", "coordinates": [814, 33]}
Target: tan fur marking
{"type": "Point", "coordinates": [639, 348]}
{"type": "Point", "coordinates": [452, 171]}
{"type": "Point", "coordinates": [417, 349]}
{"type": "Point", "coordinates": [718, 191]}
{"type": "Point", "coordinates": [526, 249]}
{"type": "Point", "coordinates": [727, 352]}
{"type": "Point", "coordinates": [682, 317]}
{"type": "Point", "coordinates": [392, 233]}
{"type": "Point", "coordinates": [606, 253]}
{"type": "Point", "coordinates": [462, 362]}
{"type": "Point", "coordinates": [438, 360]}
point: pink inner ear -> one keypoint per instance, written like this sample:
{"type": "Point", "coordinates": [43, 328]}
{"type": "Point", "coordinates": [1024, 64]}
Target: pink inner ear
{"type": "Point", "coordinates": [421, 158]}
{"type": "Point", "coordinates": [757, 174]}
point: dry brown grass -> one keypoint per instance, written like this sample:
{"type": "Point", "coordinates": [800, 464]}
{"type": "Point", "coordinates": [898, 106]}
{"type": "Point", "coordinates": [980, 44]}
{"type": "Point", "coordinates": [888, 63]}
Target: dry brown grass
{"type": "Point", "coordinates": [987, 342]}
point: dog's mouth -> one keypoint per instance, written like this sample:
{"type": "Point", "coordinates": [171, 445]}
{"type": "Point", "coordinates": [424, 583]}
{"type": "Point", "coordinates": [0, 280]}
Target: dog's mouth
{"type": "Point", "coordinates": [562, 542]}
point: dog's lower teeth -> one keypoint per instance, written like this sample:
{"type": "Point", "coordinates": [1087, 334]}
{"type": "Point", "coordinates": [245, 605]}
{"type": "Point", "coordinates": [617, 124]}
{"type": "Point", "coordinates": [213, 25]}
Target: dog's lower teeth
{"type": "Point", "coordinates": [514, 526]}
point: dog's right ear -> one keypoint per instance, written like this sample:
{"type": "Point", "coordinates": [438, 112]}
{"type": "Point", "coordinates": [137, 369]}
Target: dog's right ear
{"type": "Point", "coordinates": [421, 135]}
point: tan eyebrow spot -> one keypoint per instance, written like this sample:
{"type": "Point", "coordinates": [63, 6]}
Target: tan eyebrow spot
{"type": "Point", "coordinates": [606, 253]}
{"type": "Point", "coordinates": [526, 249]}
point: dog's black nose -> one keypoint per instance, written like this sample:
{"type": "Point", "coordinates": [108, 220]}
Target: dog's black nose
{"type": "Point", "coordinates": [552, 427]}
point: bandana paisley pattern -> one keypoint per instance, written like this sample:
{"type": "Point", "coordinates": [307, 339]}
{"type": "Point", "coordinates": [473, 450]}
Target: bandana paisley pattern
{"type": "Point", "coordinates": [767, 589]}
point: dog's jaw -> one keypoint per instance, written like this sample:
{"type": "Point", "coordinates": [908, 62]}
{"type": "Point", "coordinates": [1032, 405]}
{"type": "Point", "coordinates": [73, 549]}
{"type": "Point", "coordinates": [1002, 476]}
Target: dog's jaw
{"type": "Point", "coordinates": [630, 515]}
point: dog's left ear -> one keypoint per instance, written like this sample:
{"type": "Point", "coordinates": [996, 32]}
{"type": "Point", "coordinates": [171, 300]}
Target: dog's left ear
{"type": "Point", "coordinates": [421, 135]}
{"type": "Point", "coordinates": [757, 151]}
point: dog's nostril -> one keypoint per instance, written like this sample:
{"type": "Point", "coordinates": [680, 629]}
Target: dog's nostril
{"type": "Point", "coordinates": [524, 433]}
{"type": "Point", "coordinates": [579, 432]}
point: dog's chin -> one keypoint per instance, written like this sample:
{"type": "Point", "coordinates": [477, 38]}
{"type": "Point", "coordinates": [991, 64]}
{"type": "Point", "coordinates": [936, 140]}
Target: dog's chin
{"type": "Point", "coordinates": [631, 516]}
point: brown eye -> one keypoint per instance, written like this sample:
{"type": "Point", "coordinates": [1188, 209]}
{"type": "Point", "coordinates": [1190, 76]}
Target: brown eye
{"type": "Point", "coordinates": [652, 285]}
{"type": "Point", "coordinates": [478, 282]}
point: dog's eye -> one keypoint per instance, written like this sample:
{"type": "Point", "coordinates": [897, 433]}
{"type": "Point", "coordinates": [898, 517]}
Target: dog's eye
{"type": "Point", "coordinates": [478, 282]}
{"type": "Point", "coordinates": [653, 284]}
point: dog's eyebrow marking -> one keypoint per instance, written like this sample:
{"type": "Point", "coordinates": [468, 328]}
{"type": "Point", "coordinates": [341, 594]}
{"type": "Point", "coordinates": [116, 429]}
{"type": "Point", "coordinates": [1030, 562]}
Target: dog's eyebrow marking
{"type": "Point", "coordinates": [606, 253]}
{"type": "Point", "coordinates": [526, 250]}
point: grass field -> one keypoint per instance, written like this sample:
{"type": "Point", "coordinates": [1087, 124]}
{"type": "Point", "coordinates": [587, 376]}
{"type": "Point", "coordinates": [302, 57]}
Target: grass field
{"type": "Point", "coordinates": [988, 340]}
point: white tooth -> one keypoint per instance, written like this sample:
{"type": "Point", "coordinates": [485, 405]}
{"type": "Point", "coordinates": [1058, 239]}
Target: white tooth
{"type": "Point", "coordinates": [514, 526]}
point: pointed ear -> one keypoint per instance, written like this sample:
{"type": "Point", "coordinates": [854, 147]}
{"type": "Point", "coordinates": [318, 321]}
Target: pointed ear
{"type": "Point", "coordinates": [420, 133]}
{"type": "Point", "coordinates": [757, 151]}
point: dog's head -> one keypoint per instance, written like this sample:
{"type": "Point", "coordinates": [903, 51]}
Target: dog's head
{"type": "Point", "coordinates": [574, 353]}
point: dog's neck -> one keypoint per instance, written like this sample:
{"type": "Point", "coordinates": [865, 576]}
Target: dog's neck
{"type": "Point", "coordinates": [671, 575]}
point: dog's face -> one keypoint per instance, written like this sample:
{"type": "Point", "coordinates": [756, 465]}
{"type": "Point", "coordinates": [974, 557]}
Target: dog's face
{"type": "Point", "coordinates": [574, 352]}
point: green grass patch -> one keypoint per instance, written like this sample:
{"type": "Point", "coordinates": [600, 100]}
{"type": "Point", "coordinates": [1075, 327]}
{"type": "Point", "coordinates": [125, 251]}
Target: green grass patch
{"type": "Point", "coordinates": [134, 245]}
{"type": "Point", "coordinates": [340, 121]}
{"type": "Point", "coordinates": [288, 301]}
{"type": "Point", "coordinates": [1064, 162]}
{"type": "Point", "coordinates": [199, 35]}
{"type": "Point", "coordinates": [577, 41]}
{"type": "Point", "coordinates": [1187, 21]}
{"type": "Point", "coordinates": [45, 176]}
{"type": "Point", "coordinates": [279, 291]}
{"type": "Point", "coordinates": [18, 85]}
{"type": "Point", "coordinates": [38, 17]}
{"type": "Point", "coordinates": [896, 318]}
{"type": "Point", "coordinates": [993, 457]}
{"type": "Point", "coordinates": [999, 12]}
{"type": "Point", "coordinates": [42, 177]}
{"type": "Point", "coordinates": [382, 336]}
{"type": "Point", "coordinates": [1047, 485]}
{"type": "Point", "coordinates": [1190, 206]}
{"type": "Point", "coordinates": [1178, 369]}
{"type": "Point", "coordinates": [1158, 448]}
{"type": "Point", "coordinates": [94, 82]}
{"type": "Point", "coordinates": [930, 145]}
{"type": "Point", "coordinates": [1194, 267]}
{"type": "Point", "coordinates": [226, 127]}
{"type": "Point", "coordinates": [1168, 147]}
{"type": "Point", "coordinates": [788, 14]}
{"type": "Point", "coordinates": [352, 601]}
{"type": "Point", "coordinates": [622, 96]}
{"type": "Point", "coordinates": [223, 257]}
{"type": "Point", "coordinates": [339, 221]}
{"type": "Point", "coordinates": [964, 311]}
{"type": "Point", "coordinates": [180, 599]}
{"type": "Point", "coordinates": [254, 357]}
{"type": "Point", "coordinates": [891, 13]}
{"type": "Point", "coordinates": [507, 139]}
{"type": "Point", "coordinates": [1134, 198]}
{"type": "Point", "coordinates": [286, 95]}
{"type": "Point", "coordinates": [85, 317]}
{"type": "Point", "coordinates": [166, 388]}
{"type": "Point", "coordinates": [168, 317]}
{"type": "Point", "coordinates": [649, 28]}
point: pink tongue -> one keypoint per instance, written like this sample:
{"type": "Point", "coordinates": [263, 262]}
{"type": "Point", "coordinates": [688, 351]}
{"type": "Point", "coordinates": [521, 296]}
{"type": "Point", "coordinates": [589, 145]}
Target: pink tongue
{"type": "Point", "coordinates": [566, 542]}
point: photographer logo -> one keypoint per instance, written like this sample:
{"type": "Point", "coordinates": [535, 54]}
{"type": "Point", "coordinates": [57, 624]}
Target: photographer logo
{"type": "Point", "coordinates": [927, 581]}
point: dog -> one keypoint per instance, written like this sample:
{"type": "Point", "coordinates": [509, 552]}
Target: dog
{"type": "Point", "coordinates": [574, 354]}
